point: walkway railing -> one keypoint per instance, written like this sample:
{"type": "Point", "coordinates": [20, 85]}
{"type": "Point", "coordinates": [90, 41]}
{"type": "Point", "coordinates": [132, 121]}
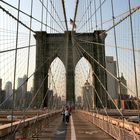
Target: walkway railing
{"type": "Point", "coordinates": [25, 128]}
{"type": "Point", "coordinates": [28, 128]}
{"type": "Point", "coordinates": [118, 129]}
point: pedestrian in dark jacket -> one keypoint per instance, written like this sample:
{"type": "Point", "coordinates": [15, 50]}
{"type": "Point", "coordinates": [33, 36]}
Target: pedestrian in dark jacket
{"type": "Point", "coordinates": [67, 115]}
{"type": "Point", "coordinates": [63, 114]}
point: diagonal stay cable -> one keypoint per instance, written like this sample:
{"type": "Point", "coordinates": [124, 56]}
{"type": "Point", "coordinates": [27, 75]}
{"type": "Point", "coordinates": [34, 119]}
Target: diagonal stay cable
{"type": "Point", "coordinates": [96, 75]}
{"type": "Point", "coordinates": [115, 17]}
{"type": "Point", "coordinates": [109, 20]}
{"type": "Point", "coordinates": [38, 112]}
{"type": "Point", "coordinates": [79, 52]}
{"type": "Point", "coordinates": [133, 10]}
{"type": "Point", "coordinates": [64, 11]}
{"type": "Point", "coordinates": [96, 61]}
{"type": "Point", "coordinates": [107, 45]}
{"type": "Point", "coordinates": [104, 108]}
{"type": "Point", "coordinates": [4, 30]}
{"type": "Point", "coordinates": [30, 104]}
{"type": "Point", "coordinates": [84, 14]}
{"type": "Point", "coordinates": [111, 98]}
{"type": "Point", "coordinates": [45, 24]}
{"type": "Point", "coordinates": [55, 73]}
{"type": "Point", "coordinates": [17, 49]}
{"type": "Point", "coordinates": [57, 14]}
{"type": "Point", "coordinates": [111, 46]}
{"type": "Point", "coordinates": [47, 59]}
{"type": "Point", "coordinates": [30, 76]}
{"type": "Point", "coordinates": [29, 42]}
{"type": "Point", "coordinates": [7, 12]}
{"type": "Point", "coordinates": [104, 68]}
{"type": "Point", "coordinates": [32, 98]}
{"type": "Point", "coordinates": [15, 64]}
{"type": "Point", "coordinates": [114, 104]}
{"type": "Point", "coordinates": [84, 76]}
{"type": "Point", "coordinates": [134, 58]}
{"type": "Point", "coordinates": [91, 16]}
{"type": "Point", "coordinates": [75, 14]}
{"type": "Point", "coordinates": [51, 15]}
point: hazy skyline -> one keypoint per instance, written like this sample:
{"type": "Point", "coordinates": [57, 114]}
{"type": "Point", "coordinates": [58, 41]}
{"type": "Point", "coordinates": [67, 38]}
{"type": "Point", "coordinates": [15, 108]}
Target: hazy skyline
{"type": "Point", "coordinates": [8, 35]}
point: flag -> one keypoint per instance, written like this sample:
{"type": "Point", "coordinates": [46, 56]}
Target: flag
{"type": "Point", "coordinates": [72, 23]}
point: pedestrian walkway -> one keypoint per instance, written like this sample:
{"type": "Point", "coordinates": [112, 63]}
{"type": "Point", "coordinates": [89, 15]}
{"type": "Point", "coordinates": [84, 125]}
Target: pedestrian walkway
{"type": "Point", "coordinates": [77, 129]}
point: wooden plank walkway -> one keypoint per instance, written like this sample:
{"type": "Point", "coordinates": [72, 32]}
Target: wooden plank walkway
{"type": "Point", "coordinates": [77, 129]}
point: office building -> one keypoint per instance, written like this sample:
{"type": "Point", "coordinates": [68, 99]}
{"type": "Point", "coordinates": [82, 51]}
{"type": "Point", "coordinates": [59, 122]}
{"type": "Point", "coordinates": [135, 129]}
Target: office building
{"type": "Point", "coordinates": [8, 90]}
{"type": "Point", "coordinates": [112, 86]}
{"type": "Point", "coordinates": [88, 96]}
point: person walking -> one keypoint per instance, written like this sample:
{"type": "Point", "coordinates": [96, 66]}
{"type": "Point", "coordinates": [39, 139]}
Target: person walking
{"type": "Point", "coordinates": [63, 114]}
{"type": "Point", "coordinates": [67, 115]}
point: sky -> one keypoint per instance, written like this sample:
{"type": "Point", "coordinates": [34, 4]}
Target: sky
{"type": "Point", "coordinates": [8, 36]}
{"type": "Point", "coordinates": [8, 28]}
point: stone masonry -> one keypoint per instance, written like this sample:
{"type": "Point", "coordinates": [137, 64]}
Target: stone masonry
{"type": "Point", "coordinates": [50, 46]}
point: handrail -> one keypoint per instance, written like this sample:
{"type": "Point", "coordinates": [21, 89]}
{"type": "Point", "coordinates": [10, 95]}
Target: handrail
{"type": "Point", "coordinates": [5, 129]}
{"type": "Point", "coordinates": [102, 121]}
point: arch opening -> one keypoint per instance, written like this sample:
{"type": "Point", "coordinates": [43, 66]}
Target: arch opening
{"type": "Point", "coordinates": [84, 91]}
{"type": "Point", "coordinates": [56, 84]}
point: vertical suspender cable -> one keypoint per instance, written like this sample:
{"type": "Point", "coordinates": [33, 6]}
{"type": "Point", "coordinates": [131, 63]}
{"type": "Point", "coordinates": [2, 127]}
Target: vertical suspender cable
{"type": "Point", "coordinates": [88, 15]}
{"type": "Point", "coordinates": [15, 65]}
{"type": "Point", "coordinates": [54, 15]}
{"type": "Point", "coordinates": [95, 13]}
{"type": "Point", "coordinates": [42, 16]}
{"type": "Point", "coordinates": [91, 18]}
{"type": "Point", "coordinates": [84, 7]}
{"type": "Point", "coordinates": [101, 15]}
{"type": "Point", "coordinates": [51, 20]}
{"type": "Point", "coordinates": [134, 59]}
{"type": "Point", "coordinates": [29, 39]}
{"type": "Point", "coordinates": [83, 16]}
{"type": "Point", "coordinates": [116, 49]}
{"type": "Point", "coordinates": [75, 14]}
{"type": "Point", "coordinates": [42, 38]}
{"type": "Point", "coordinates": [46, 14]}
{"type": "Point", "coordinates": [115, 37]}
{"type": "Point", "coordinates": [53, 81]}
{"type": "Point", "coordinates": [64, 11]}
{"type": "Point", "coordinates": [28, 59]}
{"type": "Point", "coordinates": [55, 11]}
{"type": "Point", "coordinates": [52, 11]}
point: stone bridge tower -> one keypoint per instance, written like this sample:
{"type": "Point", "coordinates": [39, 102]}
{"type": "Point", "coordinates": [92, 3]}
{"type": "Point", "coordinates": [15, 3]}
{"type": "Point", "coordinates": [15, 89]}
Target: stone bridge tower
{"type": "Point", "coordinates": [50, 46]}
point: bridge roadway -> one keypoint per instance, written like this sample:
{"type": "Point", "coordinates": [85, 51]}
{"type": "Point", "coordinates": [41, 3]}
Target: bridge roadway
{"type": "Point", "coordinates": [77, 129]}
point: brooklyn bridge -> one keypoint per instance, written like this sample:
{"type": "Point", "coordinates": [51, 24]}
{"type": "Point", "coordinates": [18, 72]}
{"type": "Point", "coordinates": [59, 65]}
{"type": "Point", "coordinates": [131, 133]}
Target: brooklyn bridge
{"type": "Point", "coordinates": [69, 70]}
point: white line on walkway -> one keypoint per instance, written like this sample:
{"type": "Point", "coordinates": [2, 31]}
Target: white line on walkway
{"type": "Point", "coordinates": [73, 136]}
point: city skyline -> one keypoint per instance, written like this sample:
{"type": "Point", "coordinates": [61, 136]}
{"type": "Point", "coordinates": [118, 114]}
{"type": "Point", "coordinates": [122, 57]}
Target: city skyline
{"type": "Point", "coordinates": [8, 29]}
{"type": "Point", "coordinates": [70, 69]}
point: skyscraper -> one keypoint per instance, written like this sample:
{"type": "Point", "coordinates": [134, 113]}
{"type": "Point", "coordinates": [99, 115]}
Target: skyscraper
{"type": "Point", "coordinates": [22, 84]}
{"type": "Point", "coordinates": [123, 89]}
{"type": "Point", "coordinates": [2, 93]}
{"type": "Point", "coordinates": [21, 91]}
{"type": "Point", "coordinates": [88, 96]}
{"type": "Point", "coordinates": [8, 90]}
{"type": "Point", "coordinates": [111, 82]}
{"type": "Point", "coordinates": [24, 87]}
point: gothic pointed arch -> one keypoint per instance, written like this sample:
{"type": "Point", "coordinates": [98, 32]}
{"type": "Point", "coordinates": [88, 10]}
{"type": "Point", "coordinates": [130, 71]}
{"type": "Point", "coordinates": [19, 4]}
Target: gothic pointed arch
{"type": "Point", "coordinates": [49, 46]}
